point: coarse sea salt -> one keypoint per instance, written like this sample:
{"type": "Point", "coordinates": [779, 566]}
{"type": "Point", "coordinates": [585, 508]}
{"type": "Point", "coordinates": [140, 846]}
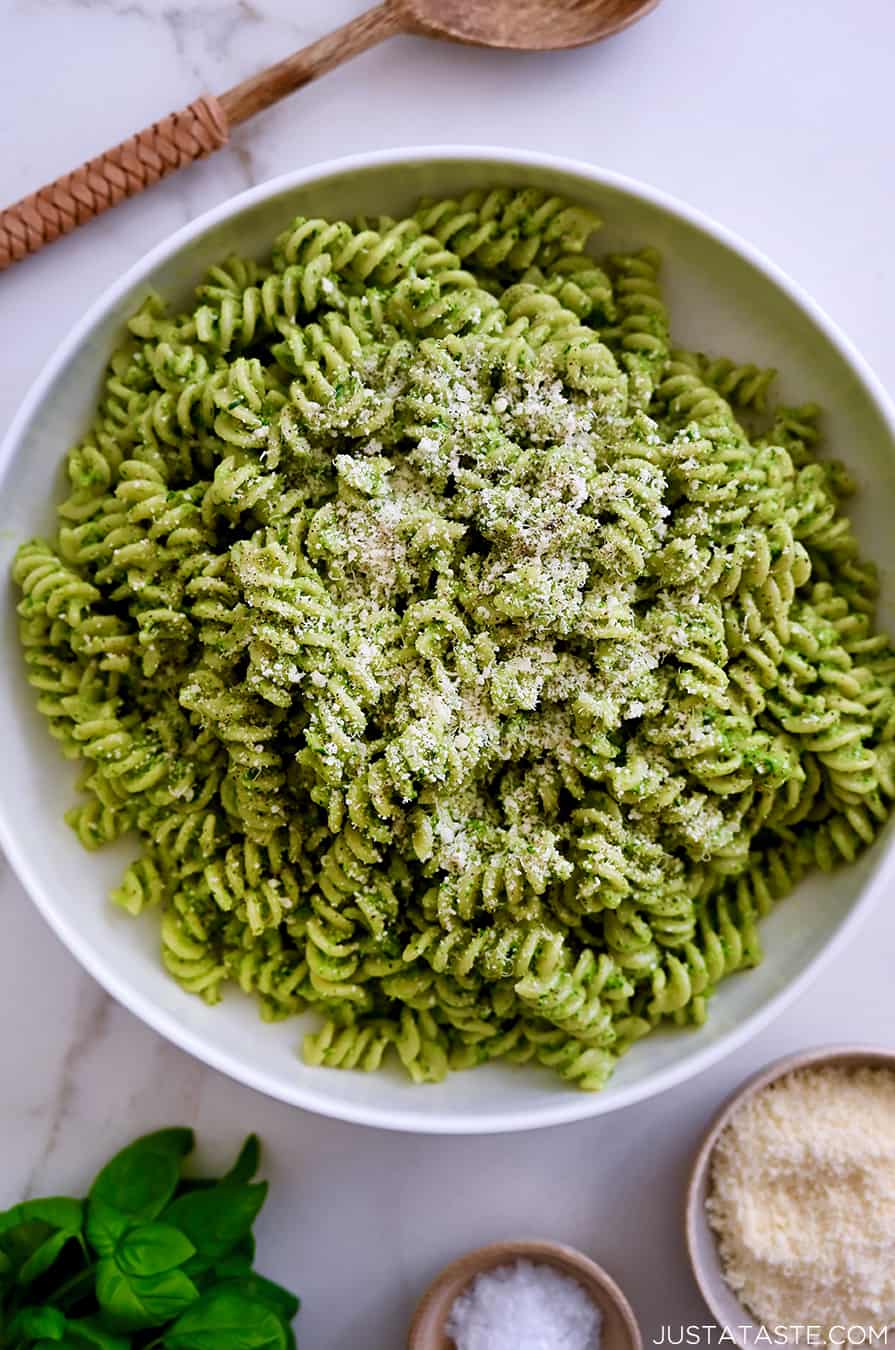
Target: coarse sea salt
{"type": "Point", "coordinates": [524, 1306]}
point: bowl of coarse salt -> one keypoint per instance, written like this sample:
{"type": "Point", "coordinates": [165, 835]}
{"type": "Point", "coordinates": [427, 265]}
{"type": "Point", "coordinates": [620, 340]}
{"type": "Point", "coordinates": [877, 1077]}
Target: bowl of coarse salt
{"type": "Point", "coordinates": [790, 1213]}
{"type": "Point", "coordinates": [526, 1295]}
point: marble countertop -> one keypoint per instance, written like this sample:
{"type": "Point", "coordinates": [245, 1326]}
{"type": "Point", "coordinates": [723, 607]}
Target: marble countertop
{"type": "Point", "coordinates": [772, 115]}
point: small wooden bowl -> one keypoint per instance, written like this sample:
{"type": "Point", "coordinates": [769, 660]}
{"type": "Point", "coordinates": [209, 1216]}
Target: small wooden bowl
{"type": "Point", "coordinates": [619, 1330]}
{"type": "Point", "coordinates": [702, 1244]}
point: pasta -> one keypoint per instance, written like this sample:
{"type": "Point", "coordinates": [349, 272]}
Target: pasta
{"type": "Point", "coordinates": [469, 665]}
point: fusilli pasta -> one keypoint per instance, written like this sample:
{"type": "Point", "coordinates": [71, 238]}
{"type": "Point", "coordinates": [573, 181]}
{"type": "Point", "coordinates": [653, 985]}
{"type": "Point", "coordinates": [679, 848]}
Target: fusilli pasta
{"type": "Point", "coordinates": [473, 667]}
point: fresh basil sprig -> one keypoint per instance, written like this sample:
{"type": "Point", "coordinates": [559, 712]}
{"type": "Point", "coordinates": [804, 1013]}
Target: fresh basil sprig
{"type": "Point", "coordinates": [151, 1260]}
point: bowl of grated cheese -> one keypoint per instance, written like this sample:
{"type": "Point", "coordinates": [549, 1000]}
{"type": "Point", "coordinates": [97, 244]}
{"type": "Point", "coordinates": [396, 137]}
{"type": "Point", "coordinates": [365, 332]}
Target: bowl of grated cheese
{"type": "Point", "coordinates": [790, 1211]}
{"type": "Point", "coordinates": [660, 969]}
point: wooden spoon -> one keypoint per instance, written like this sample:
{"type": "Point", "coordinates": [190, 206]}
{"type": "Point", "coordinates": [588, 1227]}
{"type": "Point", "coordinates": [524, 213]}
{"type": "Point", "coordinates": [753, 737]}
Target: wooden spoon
{"type": "Point", "coordinates": [203, 126]}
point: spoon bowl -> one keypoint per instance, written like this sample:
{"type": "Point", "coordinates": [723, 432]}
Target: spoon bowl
{"type": "Point", "coordinates": [523, 25]}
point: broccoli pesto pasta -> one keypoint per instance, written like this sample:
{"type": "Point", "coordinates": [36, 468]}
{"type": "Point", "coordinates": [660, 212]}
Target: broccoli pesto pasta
{"type": "Point", "coordinates": [469, 665]}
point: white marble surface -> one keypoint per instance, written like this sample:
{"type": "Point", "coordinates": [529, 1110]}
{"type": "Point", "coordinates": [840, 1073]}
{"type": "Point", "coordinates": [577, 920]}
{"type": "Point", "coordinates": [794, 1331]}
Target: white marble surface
{"type": "Point", "coordinates": [774, 116]}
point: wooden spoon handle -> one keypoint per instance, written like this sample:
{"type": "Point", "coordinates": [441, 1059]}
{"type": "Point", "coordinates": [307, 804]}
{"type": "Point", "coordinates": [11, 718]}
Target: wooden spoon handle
{"type": "Point", "coordinates": [178, 139]}
{"type": "Point", "coordinates": [103, 182]}
{"type": "Point", "coordinates": [269, 86]}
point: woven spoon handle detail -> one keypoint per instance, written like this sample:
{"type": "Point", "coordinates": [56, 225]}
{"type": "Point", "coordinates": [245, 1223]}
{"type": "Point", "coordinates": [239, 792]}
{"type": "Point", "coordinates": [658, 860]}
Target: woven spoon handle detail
{"type": "Point", "coordinates": [103, 182]}
{"type": "Point", "coordinates": [180, 138]}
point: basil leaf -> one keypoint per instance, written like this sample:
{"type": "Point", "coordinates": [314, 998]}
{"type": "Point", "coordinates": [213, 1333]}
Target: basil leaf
{"type": "Point", "coordinates": [215, 1220]}
{"type": "Point", "coordinates": [34, 1323]}
{"type": "Point", "coordinates": [87, 1331]}
{"type": "Point", "coordinates": [137, 1184]}
{"type": "Point", "coordinates": [56, 1210]}
{"type": "Point", "coordinates": [187, 1185]}
{"type": "Point", "coordinates": [238, 1260]}
{"type": "Point", "coordinates": [33, 1234]}
{"type": "Point", "coordinates": [20, 1244]}
{"type": "Point", "coordinates": [225, 1319]}
{"type": "Point", "coordinates": [247, 1163]}
{"type": "Point", "coordinates": [256, 1287]}
{"type": "Point", "coordinates": [106, 1225]}
{"type": "Point", "coordinates": [130, 1303]}
{"type": "Point", "coordinates": [40, 1260]}
{"type": "Point", "coordinates": [151, 1248]}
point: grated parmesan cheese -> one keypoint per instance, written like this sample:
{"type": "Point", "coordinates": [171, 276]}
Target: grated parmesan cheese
{"type": "Point", "coordinates": [803, 1201]}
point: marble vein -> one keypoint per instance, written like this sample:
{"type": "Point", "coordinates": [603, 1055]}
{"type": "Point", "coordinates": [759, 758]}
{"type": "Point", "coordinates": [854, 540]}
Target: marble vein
{"type": "Point", "coordinates": [90, 1021]}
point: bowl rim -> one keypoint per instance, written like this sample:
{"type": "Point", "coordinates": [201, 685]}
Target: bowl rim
{"type": "Point", "coordinates": [565, 1108]}
{"type": "Point", "coordinates": [847, 1054]}
{"type": "Point", "coordinates": [463, 1269]}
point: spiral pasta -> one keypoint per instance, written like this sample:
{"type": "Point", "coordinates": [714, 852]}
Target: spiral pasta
{"type": "Point", "coordinates": [475, 668]}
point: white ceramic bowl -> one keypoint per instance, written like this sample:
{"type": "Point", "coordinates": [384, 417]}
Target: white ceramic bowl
{"type": "Point", "coordinates": [724, 297]}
